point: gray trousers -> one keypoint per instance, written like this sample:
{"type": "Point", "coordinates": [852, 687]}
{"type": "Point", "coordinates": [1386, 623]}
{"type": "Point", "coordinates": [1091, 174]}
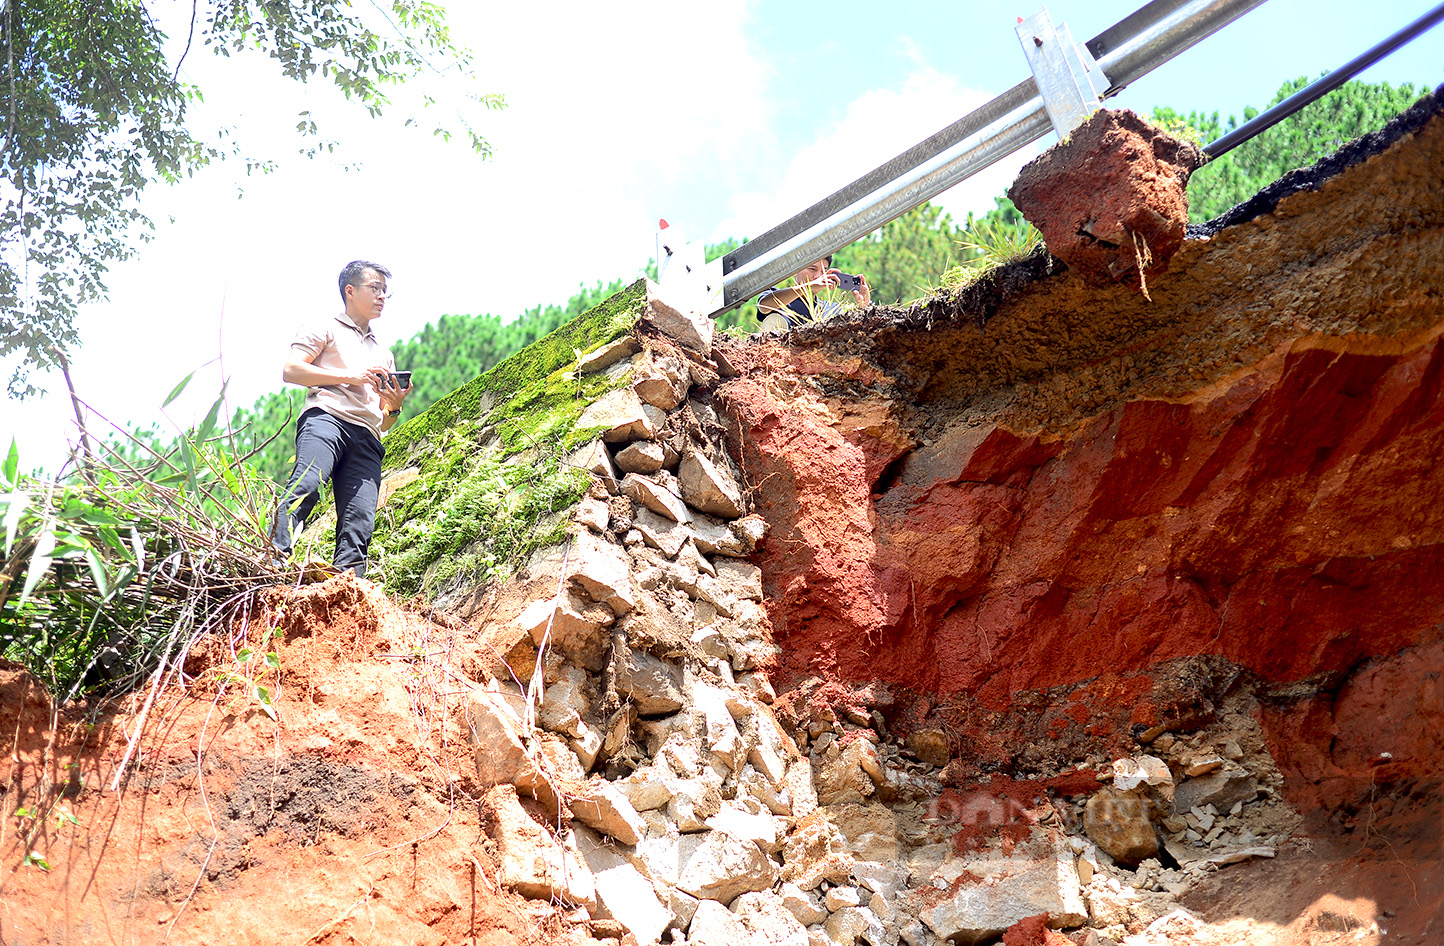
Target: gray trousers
{"type": "Point", "coordinates": [328, 448]}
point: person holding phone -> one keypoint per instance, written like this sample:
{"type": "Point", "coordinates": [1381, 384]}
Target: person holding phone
{"type": "Point", "coordinates": [353, 396]}
{"type": "Point", "coordinates": [782, 309]}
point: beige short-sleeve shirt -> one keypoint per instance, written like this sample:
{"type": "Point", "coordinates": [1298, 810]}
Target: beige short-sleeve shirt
{"type": "Point", "coordinates": [338, 342]}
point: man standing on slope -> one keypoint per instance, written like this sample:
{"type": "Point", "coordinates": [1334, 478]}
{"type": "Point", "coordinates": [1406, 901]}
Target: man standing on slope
{"type": "Point", "coordinates": [352, 398]}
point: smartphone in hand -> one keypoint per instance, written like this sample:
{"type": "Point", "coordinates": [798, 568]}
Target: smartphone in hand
{"type": "Point", "coordinates": [849, 283]}
{"type": "Point", "coordinates": [402, 379]}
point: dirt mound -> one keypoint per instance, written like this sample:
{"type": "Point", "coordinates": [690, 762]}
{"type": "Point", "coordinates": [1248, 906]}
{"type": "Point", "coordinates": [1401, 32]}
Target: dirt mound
{"type": "Point", "coordinates": [351, 817]}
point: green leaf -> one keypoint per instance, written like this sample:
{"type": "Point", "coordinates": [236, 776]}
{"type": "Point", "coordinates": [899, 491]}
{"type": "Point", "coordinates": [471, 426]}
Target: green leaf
{"type": "Point", "coordinates": [209, 424]}
{"type": "Point", "coordinates": [39, 561]}
{"type": "Point", "coordinates": [176, 392]}
{"type": "Point", "coordinates": [35, 860]}
{"type": "Point", "coordinates": [15, 505]}
{"type": "Point", "coordinates": [99, 573]}
{"type": "Point", "coordinates": [244, 655]}
{"type": "Point", "coordinates": [10, 471]}
{"type": "Point", "coordinates": [273, 660]}
{"type": "Point", "coordinates": [263, 696]}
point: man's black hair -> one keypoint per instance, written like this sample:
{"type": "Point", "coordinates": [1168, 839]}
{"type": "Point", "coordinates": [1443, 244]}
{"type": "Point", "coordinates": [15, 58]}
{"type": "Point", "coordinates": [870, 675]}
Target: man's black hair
{"type": "Point", "coordinates": [353, 272]}
{"type": "Point", "coordinates": [828, 260]}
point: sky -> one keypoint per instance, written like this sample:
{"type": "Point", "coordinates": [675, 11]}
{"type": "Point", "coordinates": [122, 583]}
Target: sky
{"type": "Point", "coordinates": [725, 117]}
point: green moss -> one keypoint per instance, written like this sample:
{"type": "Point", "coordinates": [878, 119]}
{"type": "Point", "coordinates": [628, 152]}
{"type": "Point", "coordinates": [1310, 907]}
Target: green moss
{"type": "Point", "coordinates": [533, 379]}
{"type": "Point", "coordinates": [493, 483]}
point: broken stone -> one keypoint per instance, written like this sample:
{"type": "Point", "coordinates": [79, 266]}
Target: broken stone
{"type": "Point", "coordinates": [592, 513]}
{"type": "Point", "coordinates": [564, 702]}
{"type": "Point", "coordinates": [661, 533]}
{"type": "Point", "coordinates": [1220, 789]}
{"type": "Point", "coordinates": [608, 355]}
{"type": "Point", "coordinates": [692, 329]}
{"type": "Point", "coordinates": [839, 897]}
{"type": "Point", "coordinates": [554, 768]}
{"type": "Point", "coordinates": [603, 571]}
{"type": "Point", "coordinates": [660, 379]}
{"type": "Point", "coordinates": [722, 736]}
{"type": "Point", "coordinates": [715, 925]}
{"type": "Point", "coordinates": [658, 855]}
{"type": "Point", "coordinates": [717, 866]}
{"type": "Point", "coordinates": [757, 686]}
{"type": "Point", "coordinates": [652, 493]}
{"type": "Point", "coordinates": [1202, 766]}
{"type": "Point", "coordinates": [532, 862]}
{"type": "Point", "coordinates": [773, 750]}
{"type": "Point", "coordinates": [710, 642]}
{"type": "Point", "coordinates": [683, 906]}
{"type": "Point", "coordinates": [692, 802]}
{"type": "Point", "coordinates": [768, 919]}
{"type": "Point", "coordinates": [621, 416]}
{"type": "Point", "coordinates": [656, 733]}
{"type": "Point", "coordinates": [587, 744]}
{"type": "Point", "coordinates": [1232, 750]}
{"type": "Point", "coordinates": [870, 831]}
{"type": "Point", "coordinates": [623, 894]}
{"type": "Point", "coordinates": [883, 879]}
{"type": "Point", "coordinates": [931, 746]}
{"type": "Point", "coordinates": [753, 784]}
{"type": "Point", "coordinates": [642, 456]}
{"type": "Point", "coordinates": [848, 925]}
{"type": "Point", "coordinates": [849, 777]}
{"type": "Point", "coordinates": [815, 851]}
{"type": "Point", "coordinates": [1110, 198]}
{"type": "Point", "coordinates": [653, 685]}
{"type": "Point", "coordinates": [761, 828]}
{"type": "Point", "coordinates": [646, 788]}
{"type": "Point", "coordinates": [1118, 823]}
{"type": "Point", "coordinates": [804, 908]}
{"type": "Point", "coordinates": [736, 539]}
{"type": "Point", "coordinates": [602, 806]}
{"type": "Point", "coordinates": [987, 892]}
{"type": "Point", "coordinates": [708, 487]}
{"type": "Point", "coordinates": [572, 624]}
{"type": "Point", "coordinates": [881, 906]}
{"type": "Point", "coordinates": [740, 580]}
{"type": "Point", "coordinates": [799, 787]}
{"type": "Point", "coordinates": [680, 752]}
{"type": "Point", "coordinates": [495, 720]}
{"type": "Point", "coordinates": [1143, 771]}
{"type": "Point", "coordinates": [594, 458]}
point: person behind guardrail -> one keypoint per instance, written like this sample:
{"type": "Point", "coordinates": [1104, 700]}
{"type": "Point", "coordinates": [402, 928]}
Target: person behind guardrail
{"type": "Point", "coordinates": [352, 398]}
{"type": "Point", "coordinates": [783, 309]}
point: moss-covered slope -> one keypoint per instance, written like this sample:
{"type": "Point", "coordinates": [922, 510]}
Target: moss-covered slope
{"type": "Point", "coordinates": [481, 479]}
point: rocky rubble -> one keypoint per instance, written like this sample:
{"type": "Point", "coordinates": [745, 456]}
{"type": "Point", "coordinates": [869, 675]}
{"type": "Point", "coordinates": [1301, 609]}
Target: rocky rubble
{"type": "Point", "coordinates": [639, 766]}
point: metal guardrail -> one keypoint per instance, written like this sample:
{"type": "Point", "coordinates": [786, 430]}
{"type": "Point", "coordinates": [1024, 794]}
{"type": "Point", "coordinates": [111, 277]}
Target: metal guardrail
{"type": "Point", "coordinates": [1318, 89]}
{"type": "Point", "coordinates": [1129, 49]}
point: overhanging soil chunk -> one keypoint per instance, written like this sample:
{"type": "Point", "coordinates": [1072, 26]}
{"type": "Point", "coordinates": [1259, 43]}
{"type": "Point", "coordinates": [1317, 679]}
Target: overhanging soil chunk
{"type": "Point", "coordinates": [1109, 199]}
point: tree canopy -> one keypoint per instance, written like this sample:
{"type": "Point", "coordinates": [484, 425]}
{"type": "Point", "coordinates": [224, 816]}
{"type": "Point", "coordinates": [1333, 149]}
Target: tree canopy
{"type": "Point", "coordinates": [93, 111]}
{"type": "Point", "coordinates": [1306, 136]}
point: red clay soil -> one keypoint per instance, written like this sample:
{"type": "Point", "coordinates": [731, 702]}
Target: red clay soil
{"type": "Point", "coordinates": [1057, 518]}
{"type": "Point", "coordinates": [1109, 199]}
{"type": "Point", "coordinates": [352, 819]}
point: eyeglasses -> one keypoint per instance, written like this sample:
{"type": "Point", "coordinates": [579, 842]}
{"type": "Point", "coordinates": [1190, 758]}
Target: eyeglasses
{"type": "Point", "coordinates": [378, 290]}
